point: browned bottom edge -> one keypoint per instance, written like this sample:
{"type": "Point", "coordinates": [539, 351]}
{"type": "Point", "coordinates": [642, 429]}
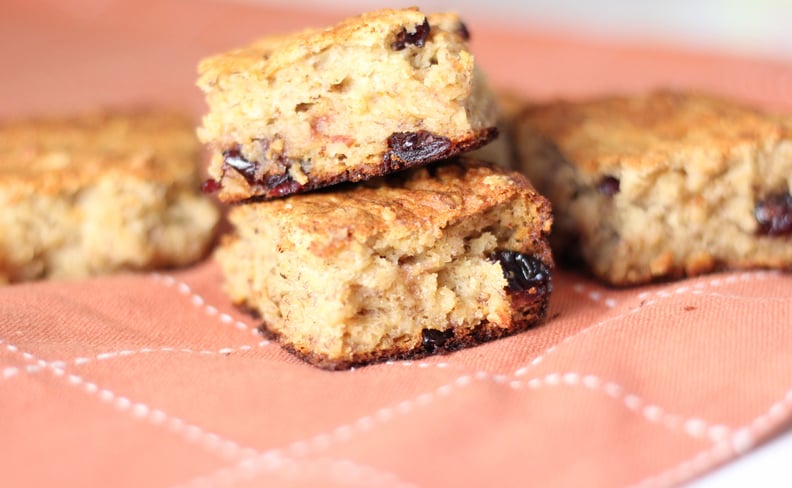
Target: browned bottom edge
{"type": "Point", "coordinates": [531, 316]}
{"type": "Point", "coordinates": [283, 185]}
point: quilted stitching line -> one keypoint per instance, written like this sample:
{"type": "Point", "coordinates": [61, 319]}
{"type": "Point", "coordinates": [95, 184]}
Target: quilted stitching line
{"type": "Point", "coordinates": [12, 371]}
{"type": "Point", "coordinates": [730, 296]}
{"type": "Point", "coordinates": [343, 471]}
{"type": "Point", "coordinates": [595, 295]}
{"type": "Point", "coordinates": [344, 432]}
{"type": "Point", "coordinates": [646, 302]}
{"type": "Point", "coordinates": [418, 364]}
{"type": "Point", "coordinates": [340, 471]}
{"type": "Point", "coordinates": [194, 434]}
{"type": "Point", "coordinates": [694, 427]}
{"type": "Point", "coordinates": [200, 302]}
{"type": "Point", "coordinates": [738, 443]}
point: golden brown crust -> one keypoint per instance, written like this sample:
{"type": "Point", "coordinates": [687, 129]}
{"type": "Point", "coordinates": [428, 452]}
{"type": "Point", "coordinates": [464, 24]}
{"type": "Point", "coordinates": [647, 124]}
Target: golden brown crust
{"type": "Point", "coordinates": [439, 195]}
{"type": "Point", "coordinates": [645, 131]}
{"type": "Point", "coordinates": [47, 156]}
{"type": "Point", "coordinates": [265, 57]}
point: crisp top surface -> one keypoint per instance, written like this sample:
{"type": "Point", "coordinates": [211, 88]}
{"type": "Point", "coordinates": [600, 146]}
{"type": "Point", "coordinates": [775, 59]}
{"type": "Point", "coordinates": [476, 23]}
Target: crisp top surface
{"type": "Point", "coordinates": [265, 56]}
{"type": "Point", "coordinates": [647, 130]}
{"type": "Point", "coordinates": [70, 152]}
{"type": "Point", "coordinates": [402, 204]}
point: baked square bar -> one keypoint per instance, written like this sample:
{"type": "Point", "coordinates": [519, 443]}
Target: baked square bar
{"type": "Point", "coordinates": [100, 192]}
{"type": "Point", "coordinates": [663, 185]}
{"type": "Point", "coordinates": [374, 94]}
{"type": "Point", "coordinates": [427, 261]}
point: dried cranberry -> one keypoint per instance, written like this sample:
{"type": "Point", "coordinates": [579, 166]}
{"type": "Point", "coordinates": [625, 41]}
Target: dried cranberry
{"type": "Point", "coordinates": [280, 185]}
{"type": "Point", "coordinates": [774, 215]}
{"type": "Point", "coordinates": [417, 38]}
{"type": "Point", "coordinates": [233, 158]}
{"type": "Point", "coordinates": [523, 272]}
{"type": "Point", "coordinates": [608, 186]}
{"type": "Point", "coordinates": [412, 147]}
{"type": "Point", "coordinates": [210, 186]}
{"type": "Point", "coordinates": [275, 185]}
{"type": "Point", "coordinates": [463, 31]}
{"type": "Point", "coordinates": [433, 339]}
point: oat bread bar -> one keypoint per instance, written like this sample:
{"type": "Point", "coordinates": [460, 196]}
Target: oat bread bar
{"type": "Point", "coordinates": [371, 95]}
{"type": "Point", "coordinates": [99, 192]}
{"type": "Point", "coordinates": [426, 261]}
{"type": "Point", "coordinates": [663, 185]}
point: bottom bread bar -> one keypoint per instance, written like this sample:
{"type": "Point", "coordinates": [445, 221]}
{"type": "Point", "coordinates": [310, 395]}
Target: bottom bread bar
{"type": "Point", "coordinates": [426, 261]}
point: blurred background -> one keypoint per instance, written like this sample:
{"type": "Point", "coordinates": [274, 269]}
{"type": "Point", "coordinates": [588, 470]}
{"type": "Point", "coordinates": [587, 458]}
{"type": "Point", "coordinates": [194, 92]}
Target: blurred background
{"type": "Point", "coordinates": [747, 27]}
{"type": "Point", "coordinates": [62, 56]}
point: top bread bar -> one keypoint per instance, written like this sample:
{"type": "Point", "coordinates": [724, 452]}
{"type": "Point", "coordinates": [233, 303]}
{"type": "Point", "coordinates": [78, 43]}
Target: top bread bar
{"type": "Point", "coordinates": [374, 94]}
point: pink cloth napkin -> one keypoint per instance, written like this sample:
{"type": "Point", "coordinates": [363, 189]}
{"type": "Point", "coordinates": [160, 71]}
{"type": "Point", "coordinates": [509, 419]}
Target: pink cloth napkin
{"type": "Point", "coordinates": [156, 380]}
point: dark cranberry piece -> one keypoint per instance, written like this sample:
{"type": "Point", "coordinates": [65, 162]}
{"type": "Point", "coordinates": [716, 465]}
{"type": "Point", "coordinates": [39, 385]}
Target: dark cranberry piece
{"type": "Point", "coordinates": [412, 147]}
{"type": "Point", "coordinates": [280, 185]}
{"type": "Point", "coordinates": [608, 186]}
{"type": "Point", "coordinates": [210, 186]}
{"type": "Point", "coordinates": [463, 31]}
{"type": "Point", "coordinates": [276, 186]}
{"type": "Point", "coordinates": [774, 215]}
{"type": "Point", "coordinates": [417, 38]}
{"type": "Point", "coordinates": [433, 339]}
{"type": "Point", "coordinates": [233, 158]}
{"type": "Point", "coordinates": [523, 272]}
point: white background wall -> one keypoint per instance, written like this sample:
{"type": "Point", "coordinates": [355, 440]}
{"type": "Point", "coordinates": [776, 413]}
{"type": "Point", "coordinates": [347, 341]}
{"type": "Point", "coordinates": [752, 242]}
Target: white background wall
{"type": "Point", "coordinates": [751, 27]}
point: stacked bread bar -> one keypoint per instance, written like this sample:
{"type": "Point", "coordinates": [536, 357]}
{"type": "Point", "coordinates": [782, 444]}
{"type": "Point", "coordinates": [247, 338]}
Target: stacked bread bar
{"type": "Point", "coordinates": [360, 236]}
